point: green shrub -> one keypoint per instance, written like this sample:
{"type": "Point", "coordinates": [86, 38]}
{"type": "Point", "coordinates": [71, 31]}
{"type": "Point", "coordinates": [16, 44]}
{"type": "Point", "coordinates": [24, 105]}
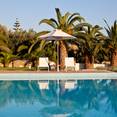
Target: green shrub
{"type": "Point", "coordinates": [100, 68]}
{"type": "Point", "coordinates": [114, 68]}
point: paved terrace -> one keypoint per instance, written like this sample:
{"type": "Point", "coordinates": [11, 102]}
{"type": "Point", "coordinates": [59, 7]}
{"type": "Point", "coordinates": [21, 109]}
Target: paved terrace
{"type": "Point", "coordinates": [39, 75]}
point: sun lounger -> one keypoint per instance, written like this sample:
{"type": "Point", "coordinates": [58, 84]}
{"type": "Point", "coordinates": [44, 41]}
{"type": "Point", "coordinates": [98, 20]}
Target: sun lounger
{"type": "Point", "coordinates": [43, 63]}
{"type": "Point", "coordinates": [69, 63]}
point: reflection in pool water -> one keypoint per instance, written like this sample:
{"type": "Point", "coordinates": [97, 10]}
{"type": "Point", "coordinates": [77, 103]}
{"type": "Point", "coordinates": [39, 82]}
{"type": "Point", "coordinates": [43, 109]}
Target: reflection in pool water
{"type": "Point", "coordinates": [88, 98]}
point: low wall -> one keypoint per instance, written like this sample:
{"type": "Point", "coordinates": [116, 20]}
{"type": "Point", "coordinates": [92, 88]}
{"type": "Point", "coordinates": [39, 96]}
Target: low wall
{"type": "Point", "coordinates": [99, 65]}
{"type": "Point", "coordinates": [79, 66]}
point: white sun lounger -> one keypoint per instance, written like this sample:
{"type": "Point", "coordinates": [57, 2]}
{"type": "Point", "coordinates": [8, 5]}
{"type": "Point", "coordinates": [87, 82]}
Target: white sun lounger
{"type": "Point", "coordinates": [43, 63]}
{"type": "Point", "coordinates": [69, 63]}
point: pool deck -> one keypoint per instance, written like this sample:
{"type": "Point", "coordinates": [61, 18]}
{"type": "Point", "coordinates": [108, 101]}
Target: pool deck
{"type": "Point", "coordinates": [53, 75]}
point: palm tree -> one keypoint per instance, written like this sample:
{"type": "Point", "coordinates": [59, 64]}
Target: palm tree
{"type": "Point", "coordinates": [6, 53]}
{"type": "Point", "coordinates": [20, 41]}
{"type": "Point", "coordinates": [6, 58]}
{"type": "Point", "coordinates": [90, 41]}
{"type": "Point", "coordinates": [66, 23]}
{"type": "Point", "coordinates": [4, 43]}
{"type": "Point", "coordinates": [30, 47]}
{"type": "Point", "coordinates": [112, 42]}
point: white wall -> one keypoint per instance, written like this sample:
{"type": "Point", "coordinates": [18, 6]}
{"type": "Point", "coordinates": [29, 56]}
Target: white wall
{"type": "Point", "coordinates": [98, 65]}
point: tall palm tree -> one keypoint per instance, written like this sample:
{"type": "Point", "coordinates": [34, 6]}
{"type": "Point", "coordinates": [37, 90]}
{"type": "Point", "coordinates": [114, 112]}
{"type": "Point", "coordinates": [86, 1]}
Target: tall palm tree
{"type": "Point", "coordinates": [112, 42]}
{"type": "Point", "coordinates": [66, 23]}
{"type": "Point", "coordinates": [90, 40]}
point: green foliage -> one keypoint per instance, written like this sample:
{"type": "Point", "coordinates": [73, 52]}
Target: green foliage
{"type": "Point", "coordinates": [6, 58]}
{"type": "Point", "coordinates": [90, 40]}
{"type": "Point", "coordinates": [114, 69]}
{"type": "Point", "coordinates": [64, 22]}
{"type": "Point", "coordinates": [112, 35]}
{"type": "Point", "coordinates": [111, 42]}
{"type": "Point", "coordinates": [16, 25]}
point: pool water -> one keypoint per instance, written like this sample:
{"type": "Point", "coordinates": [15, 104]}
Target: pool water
{"type": "Point", "coordinates": [88, 98]}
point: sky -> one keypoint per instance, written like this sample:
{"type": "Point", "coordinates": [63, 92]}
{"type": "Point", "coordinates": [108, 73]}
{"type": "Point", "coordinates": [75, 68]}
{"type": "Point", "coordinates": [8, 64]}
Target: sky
{"type": "Point", "coordinates": [30, 12]}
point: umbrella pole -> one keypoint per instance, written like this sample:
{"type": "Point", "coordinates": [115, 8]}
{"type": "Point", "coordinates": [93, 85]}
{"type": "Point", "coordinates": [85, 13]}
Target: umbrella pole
{"type": "Point", "coordinates": [57, 56]}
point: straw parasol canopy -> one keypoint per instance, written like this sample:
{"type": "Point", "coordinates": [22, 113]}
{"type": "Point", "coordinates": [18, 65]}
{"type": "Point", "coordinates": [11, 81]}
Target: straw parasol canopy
{"type": "Point", "coordinates": [57, 34]}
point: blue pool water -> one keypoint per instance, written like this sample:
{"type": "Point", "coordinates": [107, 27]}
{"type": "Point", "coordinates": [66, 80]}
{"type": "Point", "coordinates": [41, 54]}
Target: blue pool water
{"type": "Point", "coordinates": [88, 98]}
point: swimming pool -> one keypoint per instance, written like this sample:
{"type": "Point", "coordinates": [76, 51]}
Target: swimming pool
{"type": "Point", "coordinates": [58, 98]}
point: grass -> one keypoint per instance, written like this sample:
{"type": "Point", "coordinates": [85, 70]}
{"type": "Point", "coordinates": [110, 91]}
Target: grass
{"type": "Point", "coordinates": [17, 69]}
{"type": "Point", "coordinates": [114, 69]}
{"type": "Point", "coordinates": [101, 68]}
{"type": "Point", "coordinates": [98, 69]}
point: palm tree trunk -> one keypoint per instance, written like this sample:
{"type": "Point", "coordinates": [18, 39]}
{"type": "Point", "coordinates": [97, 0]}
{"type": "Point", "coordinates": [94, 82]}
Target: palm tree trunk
{"type": "Point", "coordinates": [114, 59]}
{"type": "Point", "coordinates": [88, 64]}
{"type": "Point", "coordinates": [12, 62]}
{"type": "Point", "coordinates": [92, 62]}
{"type": "Point", "coordinates": [63, 54]}
{"type": "Point", "coordinates": [5, 64]}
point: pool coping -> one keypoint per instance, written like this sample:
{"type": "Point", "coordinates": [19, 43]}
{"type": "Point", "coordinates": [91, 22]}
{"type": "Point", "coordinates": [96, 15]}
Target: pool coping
{"type": "Point", "coordinates": [39, 75]}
